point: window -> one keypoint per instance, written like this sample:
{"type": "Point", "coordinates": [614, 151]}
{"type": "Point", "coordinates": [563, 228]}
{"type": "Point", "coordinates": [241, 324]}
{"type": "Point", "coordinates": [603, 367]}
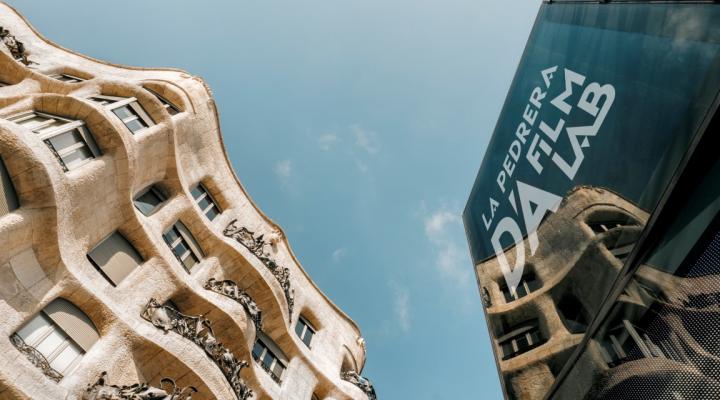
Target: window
{"type": "Point", "coordinates": [149, 200]}
{"type": "Point", "coordinates": [315, 397]}
{"type": "Point", "coordinates": [128, 110]}
{"type": "Point", "coordinates": [69, 140]}
{"type": "Point", "coordinates": [67, 78]}
{"type": "Point", "coordinates": [573, 314]}
{"type": "Point", "coordinates": [522, 339]}
{"type": "Point", "coordinates": [205, 201]}
{"type": "Point", "coordinates": [268, 360]}
{"type": "Point", "coordinates": [61, 333]}
{"type": "Point", "coordinates": [528, 284]}
{"type": "Point", "coordinates": [169, 106]}
{"type": "Point", "coordinates": [115, 258]}
{"type": "Point", "coordinates": [183, 245]}
{"type": "Point", "coordinates": [304, 331]}
{"type": "Point", "coordinates": [627, 342]}
{"type": "Point", "coordinates": [604, 220]}
{"type": "Point", "coordinates": [8, 197]}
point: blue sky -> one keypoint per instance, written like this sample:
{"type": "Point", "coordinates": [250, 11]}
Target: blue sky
{"type": "Point", "coordinates": [358, 126]}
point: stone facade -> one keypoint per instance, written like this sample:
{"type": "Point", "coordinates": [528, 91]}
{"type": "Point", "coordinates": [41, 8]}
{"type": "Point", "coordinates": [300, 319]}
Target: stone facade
{"type": "Point", "coordinates": [63, 215]}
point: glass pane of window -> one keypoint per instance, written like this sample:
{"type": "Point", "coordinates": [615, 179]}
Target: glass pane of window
{"type": "Point", "coordinates": [77, 157]}
{"type": "Point", "coordinates": [123, 112]}
{"type": "Point", "coordinates": [196, 192]}
{"type": "Point", "coordinates": [204, 203]}
{"type": "Point", "coordinates": [66, 139]}
{"type": "Point", "coordinates": [299, 328]}
{"type": "Point", "coordinates": [171, 236]}
{"type": "Point", "coordinates": [212, 213]}
{"type": "Point", "coordinates": [148, 201]}
{"type": "Point", "coordinates": [257, 350]}
{"type": "Point", "coordinates": [268, 359]}
{"type": "Point", "coordinates": [308, 337]}
{"type": "Point", "coordinates": [136, 125]}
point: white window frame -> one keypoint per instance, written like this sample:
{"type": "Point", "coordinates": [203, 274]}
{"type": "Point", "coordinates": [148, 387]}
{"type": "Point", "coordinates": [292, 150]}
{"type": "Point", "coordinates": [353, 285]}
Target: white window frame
{"type": "Point", "coordinates": [69, 125]}
{"type": "Point", "coordinates": [72, 78]}
{"type": "Point", "coordinates": [132, 102]}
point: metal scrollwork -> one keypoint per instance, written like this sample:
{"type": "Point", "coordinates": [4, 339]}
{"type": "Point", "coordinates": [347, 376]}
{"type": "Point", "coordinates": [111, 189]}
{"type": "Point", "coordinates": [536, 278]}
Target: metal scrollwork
{"type": "Point", "coordinates": [101, 390]}
{"type": "Point", "coordinates": [230, 289]}
{"type": "Point", "coordinates": [363, 383]}
{"type": "Point", "coordinates": [199, 330]}
{"type": "Point", "coordinates": [256, 245]}
{"type": "Point", "coordinates": [35, 357]}
{"type": "Point", "coordinates": [16, 47]}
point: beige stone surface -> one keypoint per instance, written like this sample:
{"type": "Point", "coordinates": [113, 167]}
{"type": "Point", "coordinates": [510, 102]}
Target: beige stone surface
{"type": "Point", "coordinates": [63, 215]}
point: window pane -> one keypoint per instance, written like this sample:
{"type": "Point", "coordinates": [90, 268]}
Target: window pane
{"type": "Point", "coordinates": [204, 203]}
{"type": "Point", "coordinates": [308, 337]}
{"type": "Point", "coordinates": [180, 249]}
{"type": "Point", "coordinates": [299, 327]}
{"type": "Point", "coordinates": [136, 125]}
{"type": "Point", "coordinates": [147, 202]}
{"type": "Point", "coordinates": [123, 112]}
{"type": "Point", "coordinates": [212, 213]}
{"type": "Point", "coordinates": [196, 192]}
{"type": "Point", "coordinates": [268, 359]}
{"type": "Point", "coordinates": [77, 157]}
{"type": "Point", "coordinates": [171, 236]}
{"type": "Point", "coordinates": [257, 350]}
{"type": "Point", "coordinates": [66, 139]}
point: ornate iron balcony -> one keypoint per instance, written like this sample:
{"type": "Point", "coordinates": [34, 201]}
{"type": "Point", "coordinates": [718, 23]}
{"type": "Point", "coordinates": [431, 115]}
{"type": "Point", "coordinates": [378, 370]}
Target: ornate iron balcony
{"type": "Point", "coordinates": [199, 330]}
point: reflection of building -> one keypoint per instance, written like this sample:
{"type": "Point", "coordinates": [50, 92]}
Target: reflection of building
{"type": "Point", "coordinates": [583, 247]}
{"type": "Point", "coordinates": [129, 246]}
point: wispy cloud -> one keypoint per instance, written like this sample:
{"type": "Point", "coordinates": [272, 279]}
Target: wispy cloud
{"type": "Point", "coordinates": [366, 140]}
{"type": "Point", "coordinates": [402, 307]}
{"type": "Point", "coordinates": [327, 141]}
{"type": "Point", "coordinates": [339, 254]}
{"type": "Point", "coordinates": [283, 170]}
{"type": "Point", "coordinates": [443, 229]}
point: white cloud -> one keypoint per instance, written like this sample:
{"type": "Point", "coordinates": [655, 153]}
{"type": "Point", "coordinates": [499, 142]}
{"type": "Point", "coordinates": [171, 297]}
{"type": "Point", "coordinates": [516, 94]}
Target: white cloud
{"type": "Point", "coordinates": [443, 230]}
{"type": "Point", "coordinates": [327, 141]}
{"type": "Point", "coordinates": [366, 140]}
{"type": "Point", "coordinates": [402, 307]}
{"type": "Point", "coordinates": [339, 254]}
{"type": "Point", "coordinates": [283, 170]}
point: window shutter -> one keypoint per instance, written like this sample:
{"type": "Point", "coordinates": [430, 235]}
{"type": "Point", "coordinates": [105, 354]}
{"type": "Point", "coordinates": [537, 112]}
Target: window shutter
{"type": "Point", "coordinates": [73, 321]}
{"type": "Point", "coordinates": [194, 246]}
{"type": "Point", "coordinates": [8, 197]}
{"type": "Point", "coordinates": [116, 257]}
